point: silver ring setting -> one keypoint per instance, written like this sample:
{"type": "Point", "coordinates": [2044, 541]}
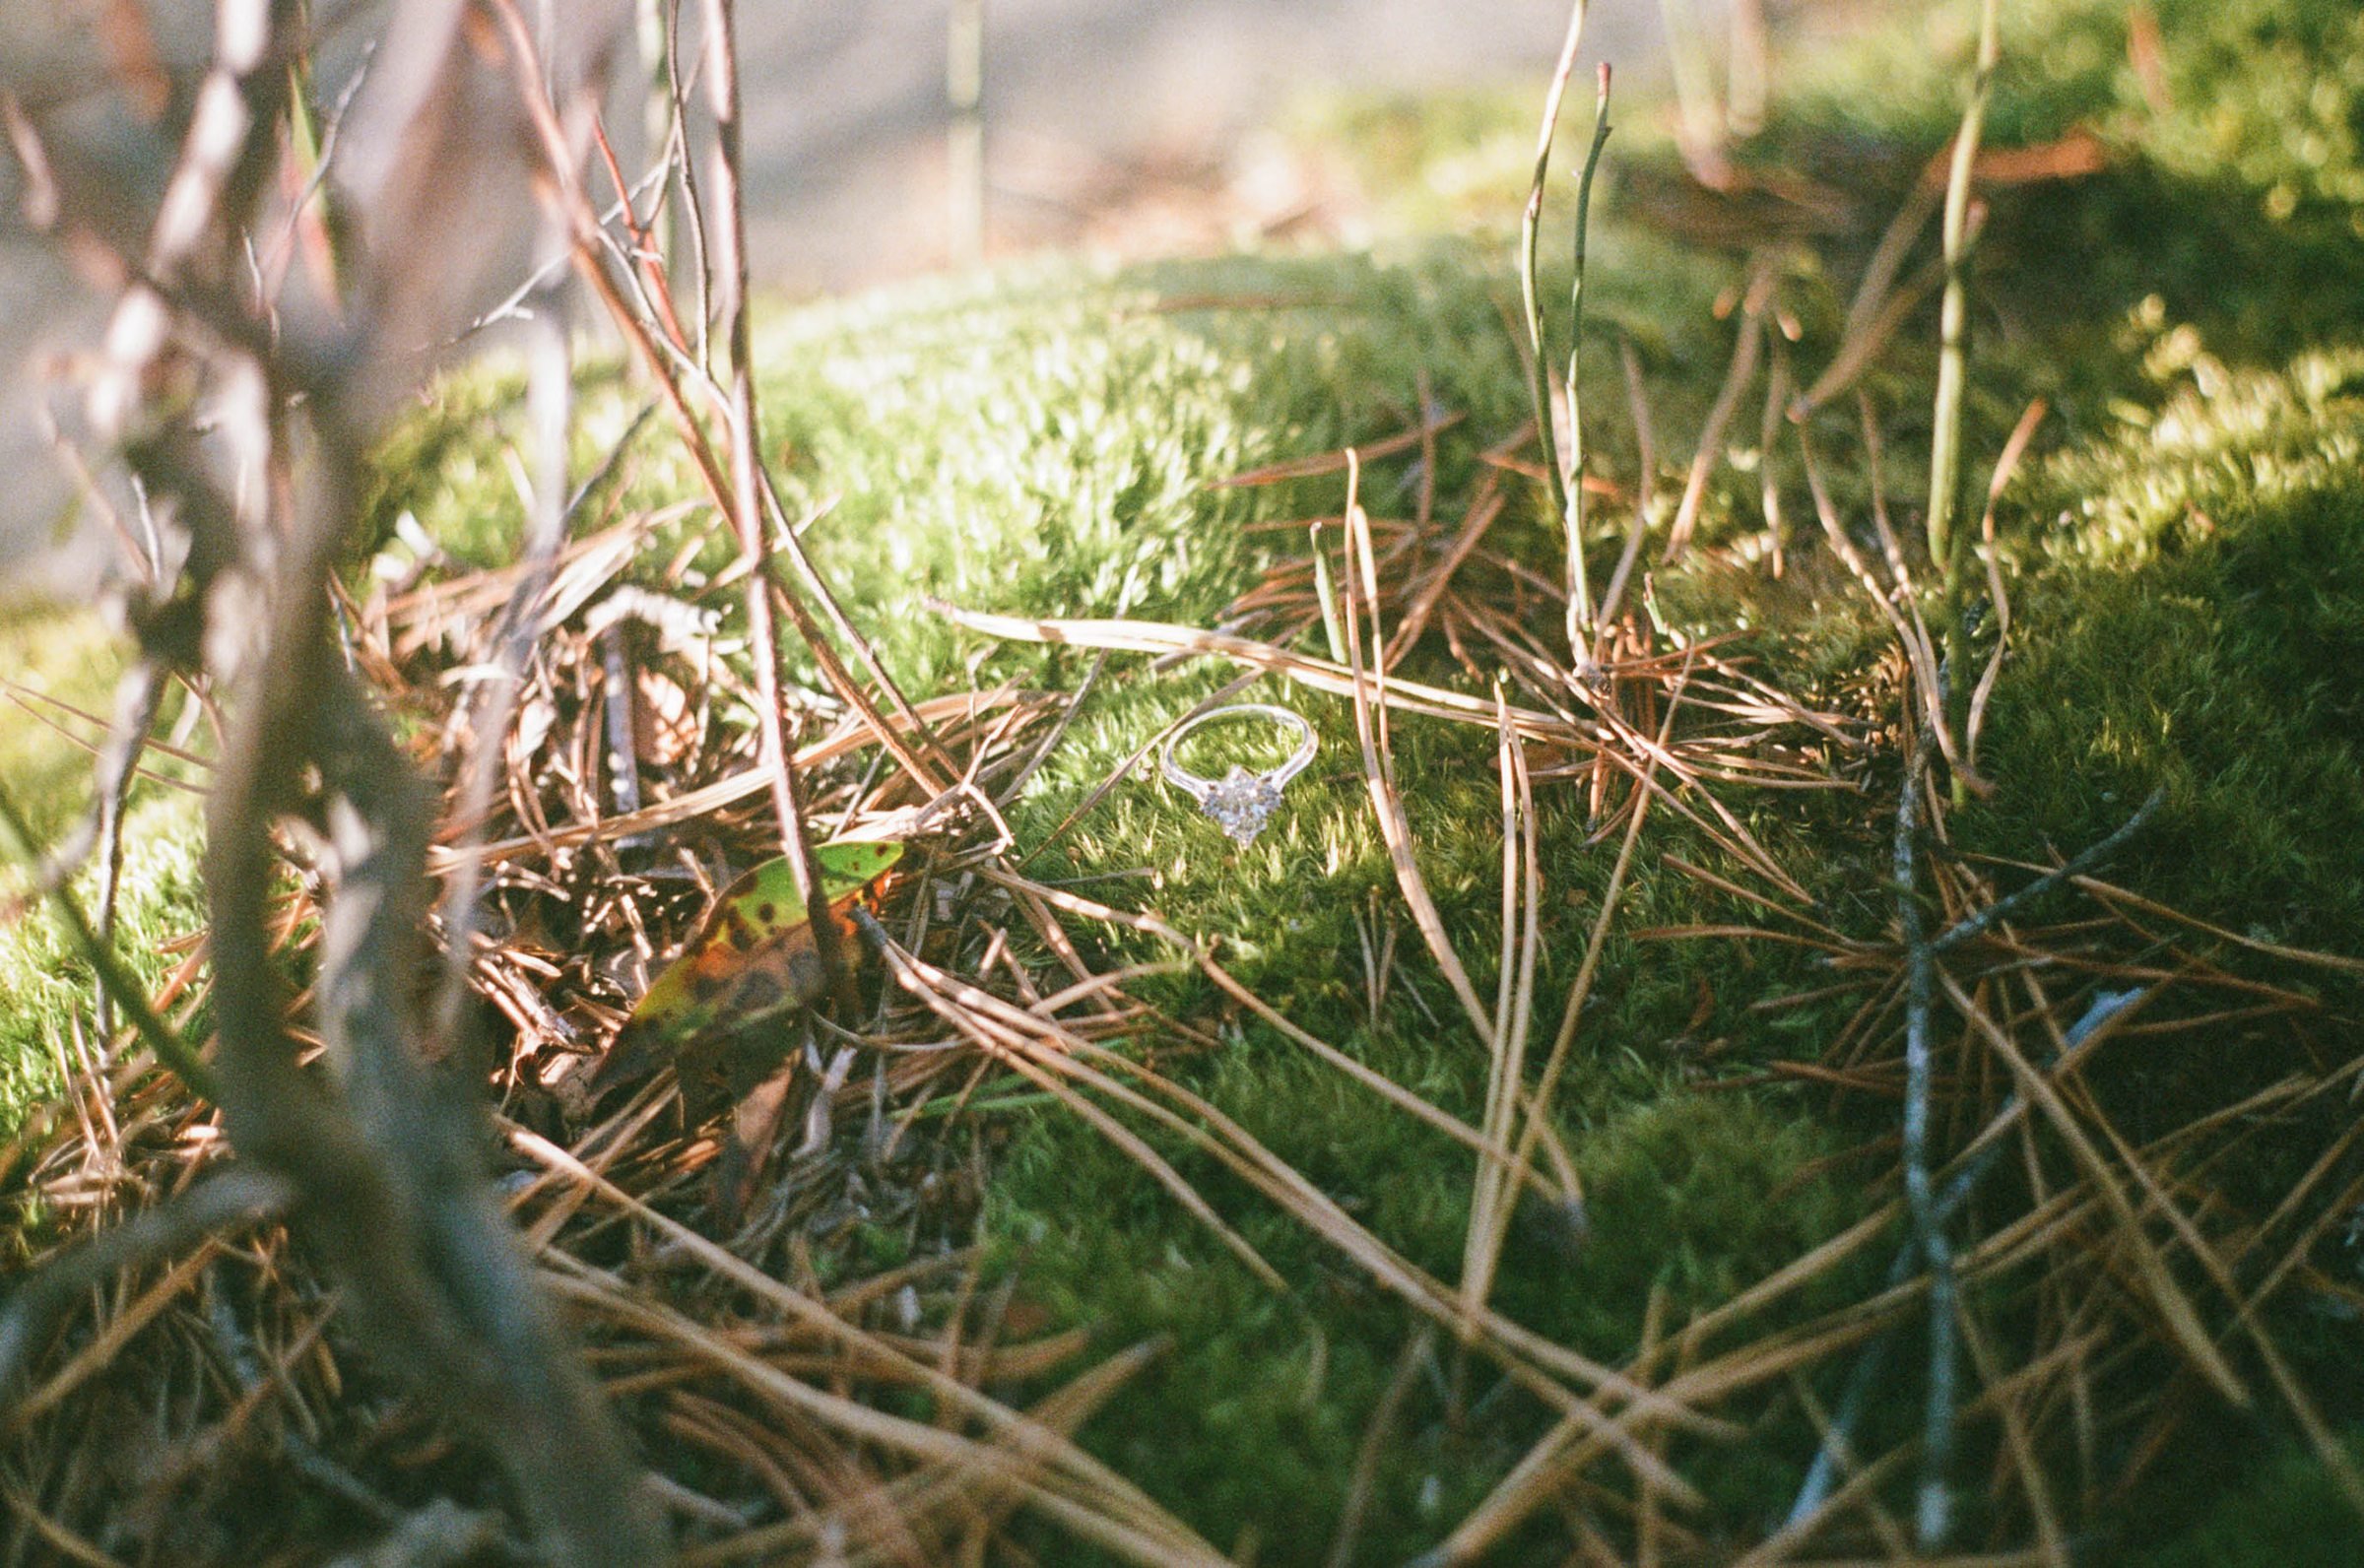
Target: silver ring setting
{"type": "Point", "coordinates": [1241, 802]}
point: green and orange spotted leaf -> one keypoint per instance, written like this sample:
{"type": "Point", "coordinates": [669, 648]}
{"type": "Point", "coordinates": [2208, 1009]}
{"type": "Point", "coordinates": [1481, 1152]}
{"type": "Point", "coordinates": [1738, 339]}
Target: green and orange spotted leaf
{"type": "Point", "coordinates": [753, 957]}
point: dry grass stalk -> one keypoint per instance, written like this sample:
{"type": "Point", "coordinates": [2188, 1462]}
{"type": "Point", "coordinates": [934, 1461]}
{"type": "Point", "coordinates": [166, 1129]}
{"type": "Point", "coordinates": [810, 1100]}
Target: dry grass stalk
{"type": "Point", "coordinates": [1378, 765]}
{"type": "Point", "coordinates": [1998, 596]}
{"type": "Point", "coordinates": [1555, 1064]}
{"type": "Point", "coordinates": [1755, 301]}
{"type": "Point", "coordinates": [1514, 1007]}
{"type": "Point", "coordinates": [1612, 597]}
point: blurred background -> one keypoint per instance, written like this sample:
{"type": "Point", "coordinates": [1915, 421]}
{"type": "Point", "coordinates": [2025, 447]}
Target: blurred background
{"type": "Point", "coordinates": [1121, 125]}
{"type": "Point", "coordinates": [1115, 128]}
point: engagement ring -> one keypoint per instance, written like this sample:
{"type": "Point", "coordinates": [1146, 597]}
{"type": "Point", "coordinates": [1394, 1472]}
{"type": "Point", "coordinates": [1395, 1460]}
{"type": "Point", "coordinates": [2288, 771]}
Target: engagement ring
{"type": "Point", "coordinates": [1241, 802]}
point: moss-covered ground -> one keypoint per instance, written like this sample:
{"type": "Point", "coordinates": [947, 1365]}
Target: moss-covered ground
{"type": "Point", "coordinates": [2185, 550]}
{"type": "Point", "coordinates": [45, 768]}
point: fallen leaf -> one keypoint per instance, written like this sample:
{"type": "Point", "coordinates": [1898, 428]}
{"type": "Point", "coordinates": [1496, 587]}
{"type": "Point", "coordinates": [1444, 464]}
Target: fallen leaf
{"type": "Point", "coordinates": [752, 958]}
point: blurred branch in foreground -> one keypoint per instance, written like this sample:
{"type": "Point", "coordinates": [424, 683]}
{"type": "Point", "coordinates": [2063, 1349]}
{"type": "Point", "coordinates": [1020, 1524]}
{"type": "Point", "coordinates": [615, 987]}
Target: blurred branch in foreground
{"type": "Point", "coordinates": [240, 409]}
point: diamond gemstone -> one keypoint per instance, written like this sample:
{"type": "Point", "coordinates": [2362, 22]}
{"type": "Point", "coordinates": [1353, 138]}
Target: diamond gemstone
{"type": "Point", "coordinates": [1242, 804]}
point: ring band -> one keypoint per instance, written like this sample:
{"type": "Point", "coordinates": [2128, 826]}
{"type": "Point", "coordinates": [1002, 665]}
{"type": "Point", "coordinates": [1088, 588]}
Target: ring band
{"type": "Point", "coordinates": [1241, 803]}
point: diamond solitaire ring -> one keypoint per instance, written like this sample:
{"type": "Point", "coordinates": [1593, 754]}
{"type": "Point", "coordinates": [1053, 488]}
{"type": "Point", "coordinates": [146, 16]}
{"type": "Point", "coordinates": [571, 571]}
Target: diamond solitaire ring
{"type": "Point", "coordinates": [1241, 802]}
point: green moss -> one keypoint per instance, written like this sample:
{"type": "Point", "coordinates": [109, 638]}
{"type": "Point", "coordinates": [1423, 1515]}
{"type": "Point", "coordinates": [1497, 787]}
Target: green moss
{"type": "Point", "coordinates": [73, 659]}
{"type": "Point", "coordinates": [2284, 1511]}
{"type": "Point", "coordinates": [45, 989]}
{"type": "Point", "coordinates": [2192, 617]}
{"type": "Point", "coordinates": [50, 989]}
{"type": "Point", "coordinates": [1699, 1195]}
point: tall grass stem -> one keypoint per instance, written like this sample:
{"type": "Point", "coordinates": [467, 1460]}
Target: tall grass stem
{"type": "Point", "coordinates": [1531, 221]}
{"type": "Point", "coordinates": [1580, 594]}
{"type": "Point", "coordinates": [964, 148]}
{"type": "Point", "coordinates": [1945, 538]}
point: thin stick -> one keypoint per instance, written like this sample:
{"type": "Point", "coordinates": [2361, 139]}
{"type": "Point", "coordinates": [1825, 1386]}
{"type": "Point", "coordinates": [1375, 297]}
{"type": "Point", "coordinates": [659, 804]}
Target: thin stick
{"type": "Point", "coordinates": [1932, 1510]}
{"type": "Point", "coordinates": [1319, 675]}
{"type": "Point", "coordinates": [964, 144]}
{"type": "Point", "coordinates": [1976, 1161]}
{"type": "Point", "coordinates": [2109, 894]}
{"type": "Point", "coordinates": [1877, 307]}
{"type": "Point", "coordinates": [1395, 1094]}
{"type": "Point", "coordinates": [1485, 505]}
{"type": "Point", "coordinates": [1748, 73]}
{"type": "Point", "coordinates": [1911, 634]}
{"type": "Point", "coordinates": [1325, 594]}
{"type": "Point", "coordinates": [1985, 920]}
{"type": "Point", "coordinates": [1700, 124]}
{"type": "Point", "coordinates": [1768, 470]}
{"type": "Point", "coordinates": [1515, 1007]}
{"type": "Point", "coordinates": [840, 679]}
{"type": "Point", "coordinates": [669, 364]}
{"type": "Point", "coordinates": [747, 493]}
{"type": "Point", "coordinates": [2176, 1310]}
{"type": "Point", "coordinates": [550, 396]}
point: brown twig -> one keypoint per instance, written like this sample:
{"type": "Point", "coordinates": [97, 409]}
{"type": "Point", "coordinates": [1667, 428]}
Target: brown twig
{"type": "Point", "coordinates": [746, 515]}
